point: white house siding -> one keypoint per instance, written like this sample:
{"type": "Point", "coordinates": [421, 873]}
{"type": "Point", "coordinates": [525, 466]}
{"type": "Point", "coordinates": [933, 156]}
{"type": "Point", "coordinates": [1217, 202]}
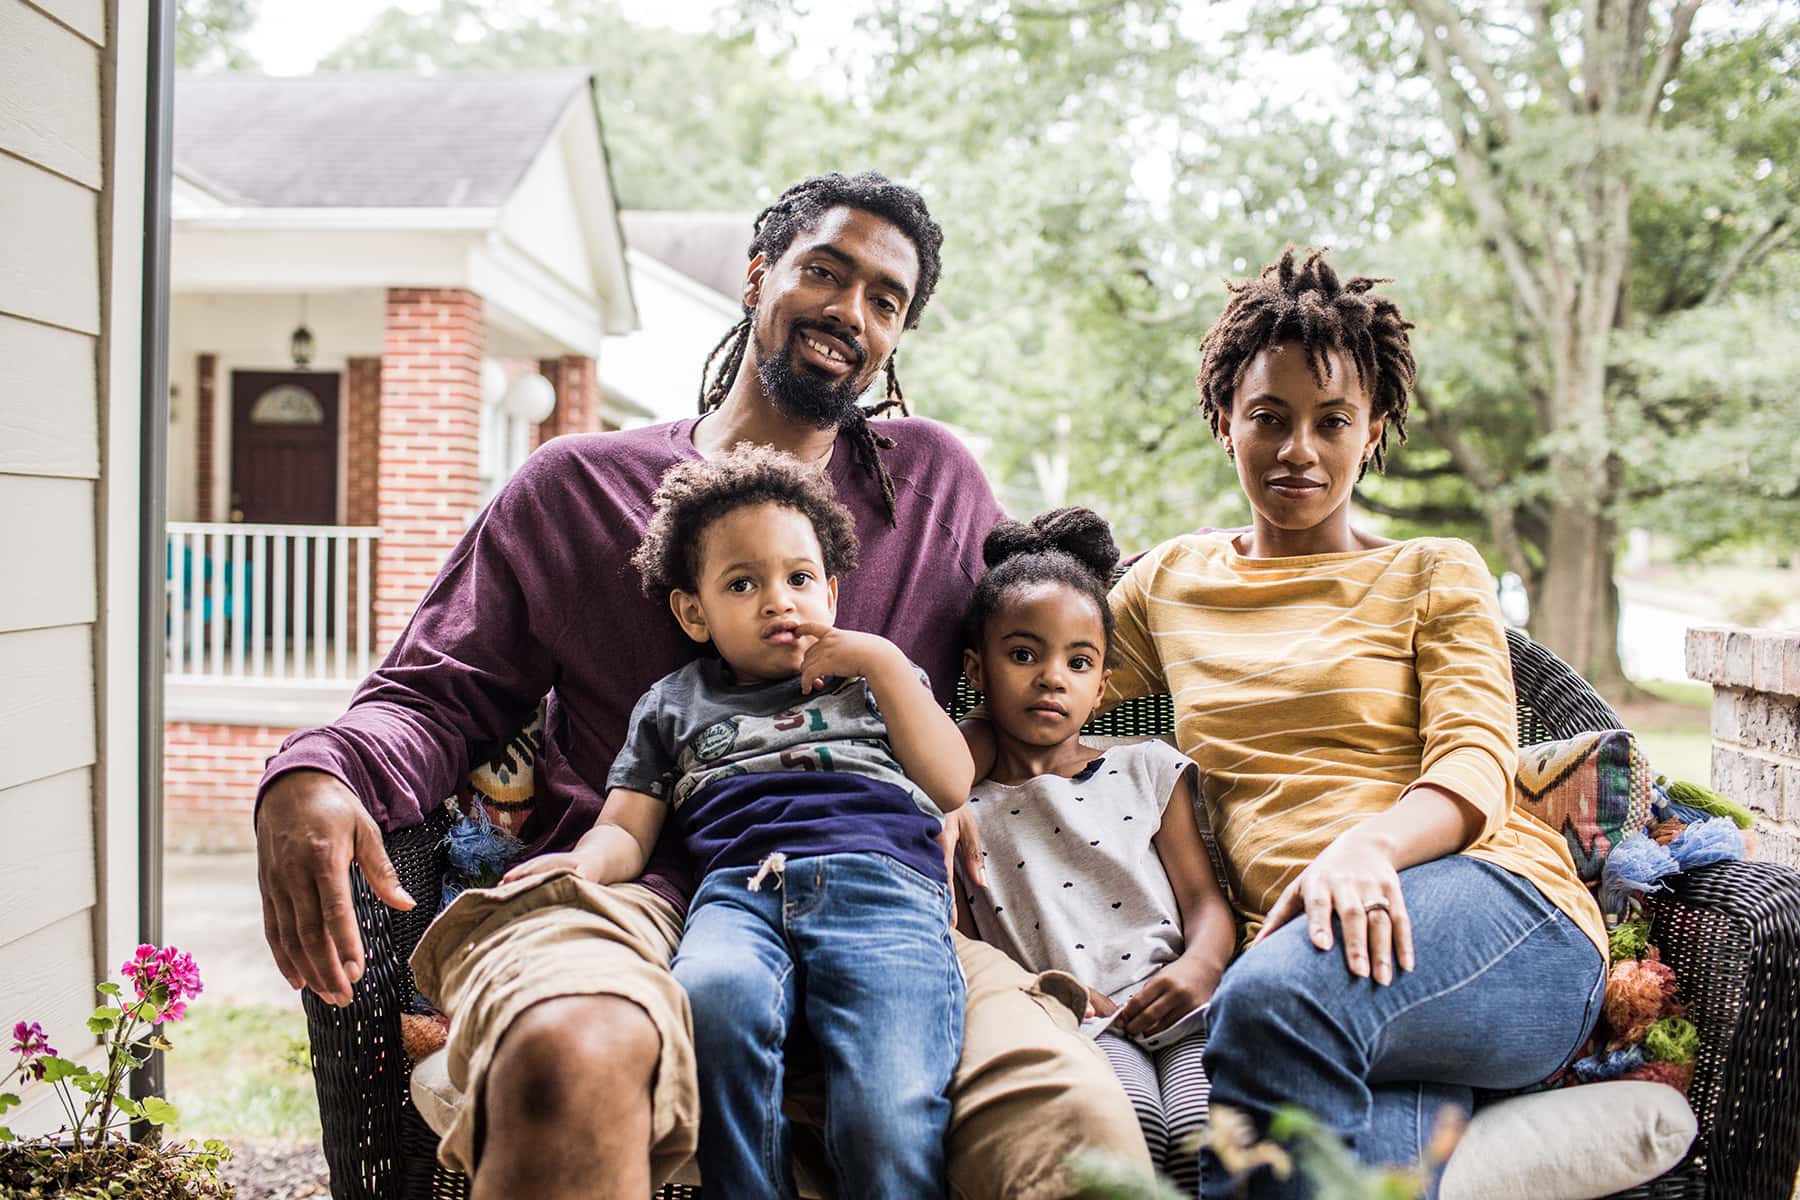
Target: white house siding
{"type": "Point", "coordinates": [67, 519]}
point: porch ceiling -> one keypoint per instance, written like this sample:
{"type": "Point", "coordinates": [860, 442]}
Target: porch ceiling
{"type": "Point", "coordinates": [532, 311]}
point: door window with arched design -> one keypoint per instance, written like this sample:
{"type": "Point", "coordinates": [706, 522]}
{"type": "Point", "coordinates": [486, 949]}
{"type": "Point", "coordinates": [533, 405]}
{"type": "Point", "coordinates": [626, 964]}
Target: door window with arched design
{"type": "Point", "coordinates": [285, 404]}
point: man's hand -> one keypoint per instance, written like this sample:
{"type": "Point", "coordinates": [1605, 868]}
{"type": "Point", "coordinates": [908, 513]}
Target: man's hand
{"type": "Point", "coordinates": [309, 829]}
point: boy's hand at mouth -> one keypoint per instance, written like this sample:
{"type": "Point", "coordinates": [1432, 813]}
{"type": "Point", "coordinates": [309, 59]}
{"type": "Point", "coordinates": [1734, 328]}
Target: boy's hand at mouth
{"type": "Point", "coordinates": [845, 654]}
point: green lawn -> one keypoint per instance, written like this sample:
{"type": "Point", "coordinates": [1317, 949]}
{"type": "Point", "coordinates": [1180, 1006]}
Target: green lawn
{"type": "Point", "coordinates": [1677, 733]}
{"type": "Point", "coordinates": [242, 1073]}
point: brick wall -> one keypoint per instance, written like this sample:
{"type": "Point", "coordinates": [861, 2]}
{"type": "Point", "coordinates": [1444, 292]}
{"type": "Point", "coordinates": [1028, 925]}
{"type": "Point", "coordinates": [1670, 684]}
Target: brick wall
{"type": "Point", "coordinates": [429, 438]}
{"type": "Point", "coordinates": [210, 773]}
{"type": "Point", "coordinates": [362, 457]}
{"type": "Point", "coordinates": [206, 380]}
{"type": "Point", "coordinates": [577, 386]}
{"type": "Point", "coordinates": [1755, 727]}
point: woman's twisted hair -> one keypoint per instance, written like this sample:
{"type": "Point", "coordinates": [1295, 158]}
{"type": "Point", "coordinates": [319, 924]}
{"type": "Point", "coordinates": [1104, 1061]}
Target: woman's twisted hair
{"type": "Point", "coordinates": [1307, 303]}
{"type": "Point", "coordinates": [1071, 546]}
{"type": "Point", "coordinates": [776, 227]}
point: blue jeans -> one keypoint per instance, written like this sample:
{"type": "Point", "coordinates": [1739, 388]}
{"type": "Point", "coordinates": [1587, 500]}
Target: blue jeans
{"type": "Point", "coordinates": [1505, 991]}
{"type": "Point", "coordinates": [858, 946]}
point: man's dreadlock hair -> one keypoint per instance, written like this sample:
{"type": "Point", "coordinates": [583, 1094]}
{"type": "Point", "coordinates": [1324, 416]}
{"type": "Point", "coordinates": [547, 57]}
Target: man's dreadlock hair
{"type": "Point", "coordinates": [694, 495]}
{"type": "Point", "coordinates": [1310, 305]}
{"type": "Point", "coordinates": [776, 227]}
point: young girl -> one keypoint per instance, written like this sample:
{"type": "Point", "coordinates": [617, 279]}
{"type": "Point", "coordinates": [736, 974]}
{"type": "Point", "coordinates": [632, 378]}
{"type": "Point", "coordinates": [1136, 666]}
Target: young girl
{"type": "Point", "coordinates": [1094, 862]}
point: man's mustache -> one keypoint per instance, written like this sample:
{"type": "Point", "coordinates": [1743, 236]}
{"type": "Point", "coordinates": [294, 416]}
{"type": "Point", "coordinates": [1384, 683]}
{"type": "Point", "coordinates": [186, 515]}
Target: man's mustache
{"type": "Point", "coordinates": [846, 339]}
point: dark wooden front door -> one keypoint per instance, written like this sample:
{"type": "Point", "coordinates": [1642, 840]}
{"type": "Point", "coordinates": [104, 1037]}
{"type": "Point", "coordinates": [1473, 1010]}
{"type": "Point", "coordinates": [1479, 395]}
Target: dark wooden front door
{"type": "Point", "coordinates": [284, 447]}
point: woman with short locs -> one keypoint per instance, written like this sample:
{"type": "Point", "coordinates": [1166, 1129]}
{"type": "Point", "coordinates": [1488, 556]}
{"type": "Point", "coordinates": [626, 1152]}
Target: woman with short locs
{"type": "Point", "coordinates": [1409, 936]}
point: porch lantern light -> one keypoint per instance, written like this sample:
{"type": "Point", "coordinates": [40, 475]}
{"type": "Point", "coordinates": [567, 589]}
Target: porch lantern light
{"type": "Point", "coordinates": [530, 398]}
{"type": "Point", "coordinates": [301, 344]}
{"type": "Point", "coordinates": [493, 383]}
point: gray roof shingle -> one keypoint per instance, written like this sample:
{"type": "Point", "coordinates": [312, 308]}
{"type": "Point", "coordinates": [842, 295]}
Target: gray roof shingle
{"type": "Point", "coordinates": [367, 139]}
{"type": "Point", "coordinates": [708, 247]}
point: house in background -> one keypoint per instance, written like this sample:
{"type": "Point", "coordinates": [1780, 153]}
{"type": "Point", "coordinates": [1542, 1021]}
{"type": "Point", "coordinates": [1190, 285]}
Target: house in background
{"type": "Point", "coordinates": [687, 274]}
{"type": "Point", "coordinates": [386, 290]}
{"type": "Point", "coordinates": [76, 79]}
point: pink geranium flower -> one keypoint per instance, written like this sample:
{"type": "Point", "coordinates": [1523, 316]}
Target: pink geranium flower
{"type": "Point", "coordinates": [30, 1044]}
{"type": "Point", "coordinates": [166, 977]}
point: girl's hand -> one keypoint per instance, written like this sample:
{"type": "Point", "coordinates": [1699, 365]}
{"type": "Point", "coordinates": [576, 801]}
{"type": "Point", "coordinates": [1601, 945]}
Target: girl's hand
{"type": "Point", "coordinates": [961, 841]}
{"type": "Point", "coordinates": [1172, 993]}
{"type": "Point", "coordinates": [1355, 878]}
{"type": "Point", "coordinates": [1100, 1004]}
{"type": "Point", "coordinates": [842, 652]}
{"type": "Point", "coordinates": [544, 864]}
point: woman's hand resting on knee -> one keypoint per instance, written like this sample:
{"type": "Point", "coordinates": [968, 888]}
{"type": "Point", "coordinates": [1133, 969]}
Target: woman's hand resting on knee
{"type": "Point", "coordinates": [1355, 878]}
{"type": "Point", "coordinates": [1358, 877]}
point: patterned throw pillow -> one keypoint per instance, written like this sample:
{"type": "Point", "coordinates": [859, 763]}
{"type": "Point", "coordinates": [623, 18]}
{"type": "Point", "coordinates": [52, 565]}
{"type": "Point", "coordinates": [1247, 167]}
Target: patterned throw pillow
{"type": "Point", "coordinates": [505, 785]}
{"type": "Point", "coordinates": [1594, 789]}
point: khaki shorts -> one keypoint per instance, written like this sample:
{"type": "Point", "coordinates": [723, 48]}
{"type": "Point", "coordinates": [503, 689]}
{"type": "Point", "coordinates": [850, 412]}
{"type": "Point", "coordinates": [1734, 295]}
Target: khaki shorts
{"type": "Point", "coordinates": [1028, 1092]}
{"type": "Point", "coordinates": [495, 952]}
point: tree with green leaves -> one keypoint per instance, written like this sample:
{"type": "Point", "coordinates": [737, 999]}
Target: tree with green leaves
{"type": "Point", "coordinates": [1588, 210]}
{"type": "Point", "coordinates": [1615, 192]}
{"type": "Point", "coordinates": [209, 35]}
{"type": "Point", "coordinates": [692, 122]}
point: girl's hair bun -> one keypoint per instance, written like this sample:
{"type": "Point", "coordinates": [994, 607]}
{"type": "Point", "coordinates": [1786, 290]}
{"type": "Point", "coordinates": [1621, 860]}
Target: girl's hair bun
{"type": "Point", "coordinates": [1080, 533]}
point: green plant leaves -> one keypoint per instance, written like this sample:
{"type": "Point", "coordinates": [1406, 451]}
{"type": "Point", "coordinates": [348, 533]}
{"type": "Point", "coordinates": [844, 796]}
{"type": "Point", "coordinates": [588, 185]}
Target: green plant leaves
{"type": "Point", "coordinates": [158, 1111]}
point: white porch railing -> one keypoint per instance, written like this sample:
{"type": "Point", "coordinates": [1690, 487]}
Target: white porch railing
{"type": "Point", "coordinates": [269, 603]}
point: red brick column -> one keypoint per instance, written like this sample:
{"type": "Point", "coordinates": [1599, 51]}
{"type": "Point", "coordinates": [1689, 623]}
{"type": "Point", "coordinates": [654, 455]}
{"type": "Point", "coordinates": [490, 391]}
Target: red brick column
{"type": "Point", "coordinates": [206, 370]}
{"type": "Point", "coordinates": [362, 454]}
{"type": "Point", "coordinates": [577, 386]}
{"type": "Point", "coordinates": [210, 773]}
{"type": "Point", "coordinates": [363, 429]}
{"type": "Point", "coordinates": [430, 430]}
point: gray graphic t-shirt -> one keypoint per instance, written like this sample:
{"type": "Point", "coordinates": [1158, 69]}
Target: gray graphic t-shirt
{"type": "Point", "coordinates": [754, 768]}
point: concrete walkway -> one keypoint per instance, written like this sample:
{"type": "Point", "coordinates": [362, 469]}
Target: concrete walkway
{"type": "Point", "coordinates": [212, 910]}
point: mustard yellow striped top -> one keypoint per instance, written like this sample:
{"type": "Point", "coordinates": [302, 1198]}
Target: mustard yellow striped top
{"type": "Point", "coordinates": [1315, 691]}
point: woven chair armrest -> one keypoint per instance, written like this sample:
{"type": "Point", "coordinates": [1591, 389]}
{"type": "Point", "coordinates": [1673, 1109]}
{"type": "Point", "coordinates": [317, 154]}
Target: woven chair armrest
{"type": "Point", "coordinates": [1731, 931]}
{"type": "Point", "coordinates": [359, 1068]}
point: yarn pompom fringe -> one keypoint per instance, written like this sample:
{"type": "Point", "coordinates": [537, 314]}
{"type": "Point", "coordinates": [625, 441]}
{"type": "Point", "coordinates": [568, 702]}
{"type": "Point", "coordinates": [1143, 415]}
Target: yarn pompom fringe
{"type": "Point", "coordinates": [1664, 832]}
{"type": "Point", "coordinates": [1639, 992]}
{"type": "Point", "coordinates": [1611, 1064]}
{"type": "Point", "coordinates": [1677, 1075]}
{"type": "Point", "coordinates": [422, 1034]}
{"type": "Point", "coordinates": [1716, 839]}
{"type": "Point", "coordinates": [1700, 802]}
{"type": "Point", "coordinates": [1636, 866]}
{"type": "Point", "coordinates": [1630, 939]}
{"type": "Point", "coordinates": [1672, 1040]}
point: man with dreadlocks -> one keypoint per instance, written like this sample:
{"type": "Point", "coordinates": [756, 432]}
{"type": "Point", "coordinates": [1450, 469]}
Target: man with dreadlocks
{"type": "Point", "coordinates": [1348, 700]}
{"type": "Point", "coordinates": [569, 1035]}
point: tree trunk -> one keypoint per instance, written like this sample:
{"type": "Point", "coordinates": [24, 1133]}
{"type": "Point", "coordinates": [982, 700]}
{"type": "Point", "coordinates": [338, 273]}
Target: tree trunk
{"type": "Point", "coordinates": [1577, 612]}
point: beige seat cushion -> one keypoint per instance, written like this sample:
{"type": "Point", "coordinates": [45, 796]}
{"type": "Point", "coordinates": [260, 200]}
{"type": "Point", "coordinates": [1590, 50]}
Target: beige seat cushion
{"type": "Point", "coordinates": [1571, 1144]}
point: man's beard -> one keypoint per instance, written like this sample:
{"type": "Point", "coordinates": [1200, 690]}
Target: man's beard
{"type": "Point", "coordinates": [801, 395]}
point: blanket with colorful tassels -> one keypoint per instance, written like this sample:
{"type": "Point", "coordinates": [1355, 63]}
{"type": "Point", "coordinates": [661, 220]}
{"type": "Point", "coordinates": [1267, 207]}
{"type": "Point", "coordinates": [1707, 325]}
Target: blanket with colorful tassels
{"type": "Point", "coordinates": [1644, 1030]}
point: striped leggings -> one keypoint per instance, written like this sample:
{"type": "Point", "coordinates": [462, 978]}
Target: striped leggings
{"type": "Point", "coordinates": [1169, 1090]}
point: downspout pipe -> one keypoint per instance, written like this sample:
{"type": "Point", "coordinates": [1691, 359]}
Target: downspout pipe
{"type": "Point", "coordinates": [153, 490]}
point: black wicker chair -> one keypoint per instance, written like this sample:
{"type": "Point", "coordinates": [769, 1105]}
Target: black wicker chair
{"type": "Point", "coordinates": [1731, 931]}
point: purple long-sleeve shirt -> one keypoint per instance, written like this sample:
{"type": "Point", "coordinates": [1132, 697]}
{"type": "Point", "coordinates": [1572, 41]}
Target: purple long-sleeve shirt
{"type": "Point", "coordinates": [540, 597]}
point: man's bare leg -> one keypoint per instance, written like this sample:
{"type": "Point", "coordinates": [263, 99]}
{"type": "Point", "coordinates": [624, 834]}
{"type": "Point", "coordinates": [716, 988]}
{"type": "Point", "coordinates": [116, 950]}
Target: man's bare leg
{"type": "Point", "coordinates": [566, 1104]}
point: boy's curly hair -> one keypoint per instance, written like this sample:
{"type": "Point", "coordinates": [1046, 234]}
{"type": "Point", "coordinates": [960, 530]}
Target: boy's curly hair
{"type": "Point", "coordinates": [1072, 546]}
{"type": "Point", "coordinates": [693, 495]}
{"type": "Point", "coordinates": [1306, 302]}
